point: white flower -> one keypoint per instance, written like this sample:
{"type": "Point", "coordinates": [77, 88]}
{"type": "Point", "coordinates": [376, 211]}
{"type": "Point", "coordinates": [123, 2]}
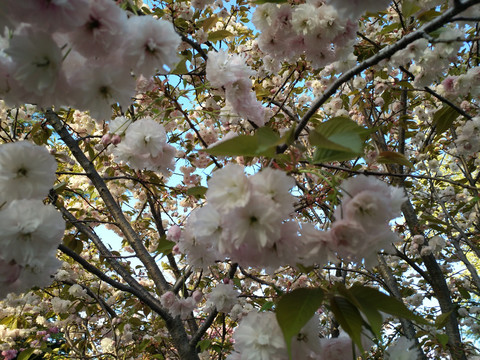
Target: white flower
{"type": "Point", "coordinates": [56, 15]}
{"type": "Point", "coordinates": [31, 232]}
{"type": "Point", "coordinates": [276, 185]}
{"type": "Point", "coordinates": [224, 69]}
{"type": "Point", "coordinates": [151, 45]}
{"type": "Point", "coordinates": [402, 349]}
{"type": "Point", "coordinates": [223, 298]}
{"type": "Point", "coordinates": [145, 147]}
{"type": "Point", "coordinates": [77, 291]}
{"type": "Point", "coordinates": [104, 31]}
{"type": "Point", "coordinates": [256, 225]}
{"type": "Point", "coordinates": [26, 171]}
{"type": "Point", "coordinates": [36, 58]}
{"type": "Point", "coordinates": [355, 8]}
{"type": "Point", "coordinates": [98, 87]}
{"type": "Point", "coordinates": [119, 125]}
{"type": "Point", "coordinates": [258, 337]}
{"type": "Point", "coordinates": [17, 278]}
{"type": "Point", "coordinates": [361, 221]}
{"type": "Point", "coordinates": [228, 188]}
{"type": "Point", "coordinates": [107, 344]}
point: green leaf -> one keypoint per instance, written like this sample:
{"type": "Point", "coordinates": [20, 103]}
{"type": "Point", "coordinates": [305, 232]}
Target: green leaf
{"type": "Point", "coordinates": [348, 317]}
{"type": "Point", "coordinates": [442, 339]}
{"type": "Point", "coordinates": [295, 309]}
{"type": "Point", "coordinates": [25, 354]}
{"type": "Point", "coordinates": [209, 22]}
{"type": "Point", "coordinates": [197, 191]}
{"type": "Point", "coordinates": [181, 68]}
{"type": "Point", "coordinates": [442, 320]}
{"type": "Point", "coordinates": [464, 292]}
{"type": "Point", "coordinates": [263, 143]}
{"type": "Point", "coordinates": [392, 157]}
{"type": "Point", "coordinates": [410, 7]}
{"type": "Point", "coordinates": [267, 306]}
{"type": "Point", "coordinates": [385, 303]}
{"type": "Point", "coordinates": [219, 35]}
{"type": "Point", "coordinates": [338, 139]}
{"type": "Point", "coordinates": [364, 304]}
{"type": "Point", "coordinates": [444, 118]}
{"type": "Point", "coordinates": [165, 246]}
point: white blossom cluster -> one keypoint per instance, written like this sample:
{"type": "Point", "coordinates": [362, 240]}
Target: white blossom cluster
{"type": "Point", "coordinates": [31, 231]}
{"type": "Point", "coordinates": [143, 145]}
{"type": "Point", "coordinates": [322, 32]}
{"type": "Point", "coordinates": [232, 73]}
{"type": "Point", "coordinates": [259, 337]}
{"type": "Point", "coordinates": [79, 53]}
{"type": "Point", "coordinates": [248, 220]}
{"type": "Point", "coordinates": [361, 227]}
{"type": "Point", "coordinates": [467, 142]}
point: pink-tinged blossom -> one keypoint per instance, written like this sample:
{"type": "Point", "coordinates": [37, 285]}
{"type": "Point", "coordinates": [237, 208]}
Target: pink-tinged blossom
{"type": "Point", "coordinates": [151, 45]}
{"type": "Point", "coordinates": [31, 232]}
{"type": "Point", "coordinates": [54, 15]}
{"type": "Point", "coordinates": [258, 337]}
{"type": "Point", "coordinates": [200, 237]}
{"type": "Point", "coordinates": [174, 233]}
{"type": "Point", "coordinates": [228, 188]}
{"type": "Point", "coordinates": [119, 125]}
{"type": "Point", "coordinates": [36, 58]}
{"type": "Point", "coordinates": [30, 275]}
{"type": "Point", "coordinates": [144, 147]}
{"type": "Point", "coordinates": [178, 307]}
{"type": "Point", "coordinates": [224, 69]}
{"type": "Point", "coordinates": [244, 101]}
{"type": "Point", "coordinates": [232, 73]}
{"type": "Point", "coordinates": [9, 272]}
{"type": "Point", "coordinates": [9, 354]}
{"type": "Point", "coordinates": [256, 225]}
{"type": "Point", "coordinates": [223, 297]}
{"type": "Point", "coordinates": [339, 348]}
{"type": "Point", "coordinates": [306, 344]}
{"type": "Point", "coordinates": [96, 88]}
{"type": "Point", "coordinates": [361, 221]}
{"type": "Point", "coordinates": [276, 185]}
{"type": "Point", "coordinates": [356, 8]}
{"type": "Point", "coordinates": [26, 171]}
{"type": "Point", "coordinates": [104, 31]}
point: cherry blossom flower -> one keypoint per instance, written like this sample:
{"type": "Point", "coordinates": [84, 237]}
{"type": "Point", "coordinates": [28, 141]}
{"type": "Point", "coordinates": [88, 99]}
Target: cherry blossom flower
{"type": "Point", "coordinates": [55, 15]}
{"type": "Point", "coordinates": [228, 188]}
{"type": "Point", "coordinates": [223, 297]}
{"type": "Point", "coordinates": [144, 147]}
{"type": "Point", "coordinates": [98, 87]}
{"type": "Point", "coordinates": [402, 349]}
{"type": "Point", "coordinates": [258, 337]}
{"type": "Point", "coordinates": [103, 32]}
{"type": "Point", "coordinates": [151, 45]}
{"type": "Point", "coordinates": [361, 221]}
{"type": "Point", "coordinates": [31, 232]}
{"type": "Point", "coordinates": [26, 171]}
{"type": "Point", "coordinates": [37, 59]}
